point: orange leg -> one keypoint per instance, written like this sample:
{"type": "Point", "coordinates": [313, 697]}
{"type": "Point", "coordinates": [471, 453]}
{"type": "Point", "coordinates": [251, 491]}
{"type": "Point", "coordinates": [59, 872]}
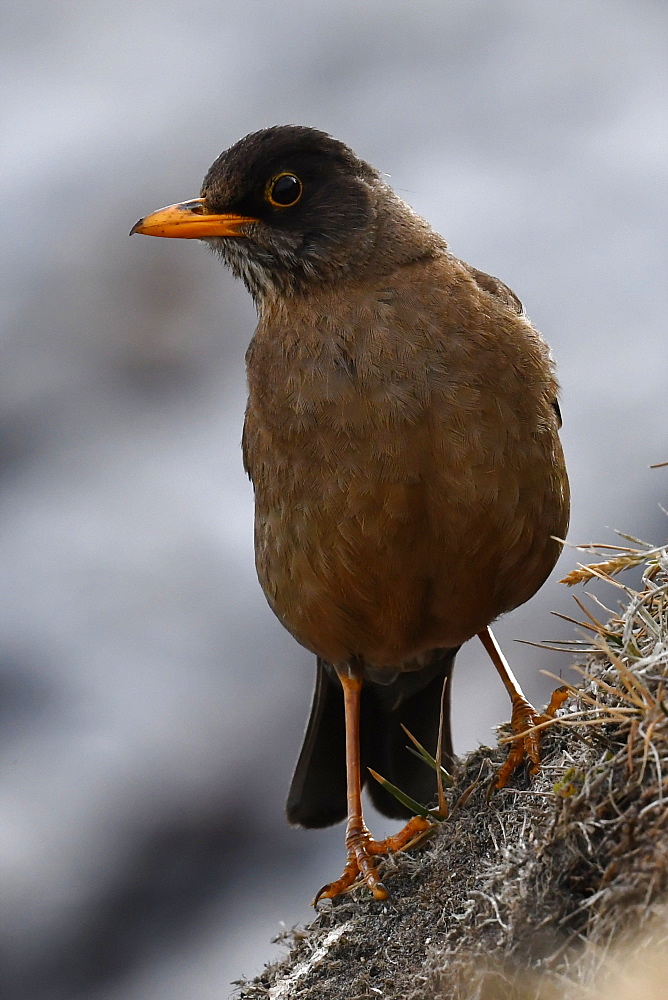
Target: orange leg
{"type": "Point", "coordinates": [524, 715]}
{"type": "Point", "coordinates": [360, 845]}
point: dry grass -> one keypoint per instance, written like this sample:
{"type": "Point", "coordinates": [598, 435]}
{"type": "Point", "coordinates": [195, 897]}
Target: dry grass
{"type": "Point", "coordinates": [558, 887]}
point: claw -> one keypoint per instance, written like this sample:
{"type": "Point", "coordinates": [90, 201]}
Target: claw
{"type": "Point", "coordinates": [362, 852]}
{"type": "Point", "coordinates": [525, 717]}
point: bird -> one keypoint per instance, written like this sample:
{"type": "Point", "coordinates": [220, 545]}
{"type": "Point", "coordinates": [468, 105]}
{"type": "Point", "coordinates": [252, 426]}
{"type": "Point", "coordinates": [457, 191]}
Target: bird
{"type": "Point", "coordinates": [402, 438]}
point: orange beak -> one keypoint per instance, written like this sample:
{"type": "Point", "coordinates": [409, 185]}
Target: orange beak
{"type": "Point", "coordinates": [190, 221]}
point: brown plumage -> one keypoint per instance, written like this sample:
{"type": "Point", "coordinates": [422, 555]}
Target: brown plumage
{"type": "Point", "coordinates": [401, 436]}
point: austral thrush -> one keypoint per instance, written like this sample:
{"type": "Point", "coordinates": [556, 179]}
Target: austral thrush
{"type": "Point", "coordinates": [401, 436]}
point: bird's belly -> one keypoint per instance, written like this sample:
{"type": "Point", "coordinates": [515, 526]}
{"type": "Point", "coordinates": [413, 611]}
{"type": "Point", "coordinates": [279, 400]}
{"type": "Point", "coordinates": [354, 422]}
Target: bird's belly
{"type": "Point", "coordinates": [346, 577]}
{"type": "Point", "coordinates": [387, 570]}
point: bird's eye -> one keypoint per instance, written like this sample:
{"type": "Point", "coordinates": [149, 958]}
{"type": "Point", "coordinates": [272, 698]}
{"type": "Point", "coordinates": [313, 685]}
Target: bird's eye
{"type": "Point", "coordinates": [284, 190]}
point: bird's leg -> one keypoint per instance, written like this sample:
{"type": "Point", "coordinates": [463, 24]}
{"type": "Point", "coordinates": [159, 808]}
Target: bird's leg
{"type": "Point", "coordinates": [524, 715]}
{"type": "Point", "coordinates": [360, 845]}
{"type": "Point", "coordinates": [358, 839]}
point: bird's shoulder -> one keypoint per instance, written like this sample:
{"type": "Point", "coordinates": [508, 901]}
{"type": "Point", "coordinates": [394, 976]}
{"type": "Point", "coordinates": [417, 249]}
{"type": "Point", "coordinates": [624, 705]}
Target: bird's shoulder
{"type": "Point", "coordinates": [495, 287]}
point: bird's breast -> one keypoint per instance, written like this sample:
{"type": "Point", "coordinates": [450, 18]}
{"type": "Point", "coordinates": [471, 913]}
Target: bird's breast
{"type": "Point", "coordinates": [405, 487]}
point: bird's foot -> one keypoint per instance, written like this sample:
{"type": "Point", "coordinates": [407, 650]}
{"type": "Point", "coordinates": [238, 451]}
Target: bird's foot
{"type": "Point", "coordinates": [362, 852]}
{"type": "Point", "coordinates": [527, 744]}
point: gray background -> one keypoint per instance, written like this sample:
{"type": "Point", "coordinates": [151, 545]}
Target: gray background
{"type": "Point", "coordinates": [151, 708]}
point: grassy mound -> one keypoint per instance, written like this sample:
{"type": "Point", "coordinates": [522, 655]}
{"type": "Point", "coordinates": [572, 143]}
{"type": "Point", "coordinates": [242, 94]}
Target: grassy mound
{"type": "Point", "coordinates": [556, 887]}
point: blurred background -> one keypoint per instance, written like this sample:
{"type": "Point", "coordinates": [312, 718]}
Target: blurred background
{"type": "Point", "coordinates": [151, 707]}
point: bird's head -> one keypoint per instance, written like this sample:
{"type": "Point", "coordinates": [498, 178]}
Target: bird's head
{"type": "Point", "coordinates": [288, 207]}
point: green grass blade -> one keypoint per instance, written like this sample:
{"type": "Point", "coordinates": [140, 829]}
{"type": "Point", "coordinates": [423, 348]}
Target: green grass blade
{"type": "Point", "coordinates": [406, 800]}
{"type": "Point", "coordinates": [425, 756]}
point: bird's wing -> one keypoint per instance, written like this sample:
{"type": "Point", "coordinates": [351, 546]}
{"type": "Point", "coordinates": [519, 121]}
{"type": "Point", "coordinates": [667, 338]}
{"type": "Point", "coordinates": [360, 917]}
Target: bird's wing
{"type": "Point", "coordinates": [495, 287]}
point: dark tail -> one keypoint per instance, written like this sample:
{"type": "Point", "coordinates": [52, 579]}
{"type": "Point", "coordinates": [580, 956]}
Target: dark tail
{"type": "Point", "coordinates": [318, 791]}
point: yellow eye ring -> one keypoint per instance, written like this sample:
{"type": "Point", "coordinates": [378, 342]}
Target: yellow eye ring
{"type": "Point", "coordinates": [284, 190]}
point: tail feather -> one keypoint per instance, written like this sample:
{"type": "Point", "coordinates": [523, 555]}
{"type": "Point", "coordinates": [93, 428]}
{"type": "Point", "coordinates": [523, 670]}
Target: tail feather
{"type": "Point", "coordinates": [317, 795]}
{"type": "Point", "coordinates": [420, 713]}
